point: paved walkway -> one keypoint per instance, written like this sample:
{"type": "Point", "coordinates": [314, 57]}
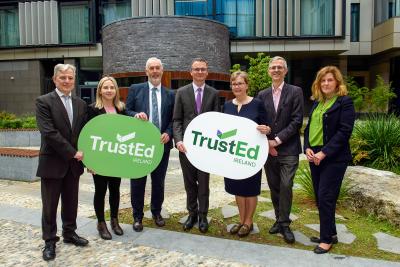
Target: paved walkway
{"type": "Point", "coordinates": [21, 244]}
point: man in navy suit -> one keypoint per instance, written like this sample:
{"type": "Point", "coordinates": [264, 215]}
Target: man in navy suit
{"type": "Point", "coordinates": [153, 102]}
{"type": "Point", "coordinates": [284, 105]}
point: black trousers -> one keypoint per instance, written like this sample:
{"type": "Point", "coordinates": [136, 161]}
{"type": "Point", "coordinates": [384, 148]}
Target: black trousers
{"type": "Point", "coordinates": [327, 179]}
{"type": "Point", "coordinates": [138, 187]}
{"type": "Point", "coordinates": [280, 172]}
{"type": "Point", "coordinates": [100, 188]}
{"type": "Point", "coordinates": [196, 186]}
{"type": "Point", "coordinates": [51, 190]}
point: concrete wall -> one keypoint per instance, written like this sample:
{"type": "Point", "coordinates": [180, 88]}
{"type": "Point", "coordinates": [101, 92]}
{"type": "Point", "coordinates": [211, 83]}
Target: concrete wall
{"type": "Point", "coordinates": [20, 85]}
{"type": "Point", "coordinates": [127, 44]}
{"type": "Point", "coordinates": [18, 168]}
{"type": "Point", "coordinates": [19, 138]}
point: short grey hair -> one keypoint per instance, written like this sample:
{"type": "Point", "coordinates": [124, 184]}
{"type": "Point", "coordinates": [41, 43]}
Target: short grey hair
{"type": "Point", "coordinates": [153, 59]}
{"type": "Point", "coordinates": [63, 67]}
{"type": "Point", "coordinates": [278, 58]}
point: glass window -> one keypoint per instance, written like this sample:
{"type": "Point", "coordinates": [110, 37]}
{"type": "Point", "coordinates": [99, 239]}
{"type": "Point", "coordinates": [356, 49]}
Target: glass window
{"type": "Point", "coordinates": [238, 15]}
{"type": "Point", "coordinates": [198, 8]}
{"type": "Point", "coordinates": [317, 17]}
{"type": "Point", "coordinates": [355, 23]}
{"type": "Point", "coordinates": [75, 22]}
{"type": "Point", "coordinates": [9, 27]}
{"type": "Point", "coordinates": [115, 9]}
{"type": "Point", "coordinates": [385, 9]}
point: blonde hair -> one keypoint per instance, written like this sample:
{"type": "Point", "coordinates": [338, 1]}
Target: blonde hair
{"type": "Point", "coordinates": [119, 105]}
{"type": "Point", "coordinates": [341, 89]}
{"type": "Point", "coordinates": [240, 74]}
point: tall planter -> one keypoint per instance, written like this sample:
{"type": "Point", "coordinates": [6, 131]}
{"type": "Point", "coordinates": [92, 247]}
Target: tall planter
{"type": "Point", "coordinates": [19, 138]}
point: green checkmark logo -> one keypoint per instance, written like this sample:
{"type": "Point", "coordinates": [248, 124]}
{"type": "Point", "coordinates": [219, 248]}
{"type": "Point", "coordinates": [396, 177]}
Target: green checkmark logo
{"type": "Point", "coordinates": [227, 134]}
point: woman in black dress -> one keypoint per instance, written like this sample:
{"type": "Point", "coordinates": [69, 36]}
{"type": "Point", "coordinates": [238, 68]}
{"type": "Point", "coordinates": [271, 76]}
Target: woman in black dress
{"type": "Point", "coordinates": [107, 101]}
{"type": "Point", "coordinates": [246, 190]}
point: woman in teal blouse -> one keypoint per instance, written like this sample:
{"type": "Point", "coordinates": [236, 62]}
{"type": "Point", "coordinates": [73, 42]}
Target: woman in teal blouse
{"type": "Point", "coordinates": [326, 145]}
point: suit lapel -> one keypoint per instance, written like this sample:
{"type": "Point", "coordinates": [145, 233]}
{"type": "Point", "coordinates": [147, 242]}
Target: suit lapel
{"type": "Point", "coordinates": [146, 92]}
{"type": "Point", "coordinates": [75, 111]}
{"type": "Point", "coordinates": [163, 105]}
{"type": "Point", "coordinates": [282, 100]}
{"type": "Point", "coordinates": [270, 102]}
{"type": "Point", "coordinates": [191, 97]}
{"type": "Point", "coordinates": [206, 96]}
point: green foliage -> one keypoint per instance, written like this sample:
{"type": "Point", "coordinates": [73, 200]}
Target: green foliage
{"type": "Point", "coordinates": [258, 73]}
{"type": "Point", "coordinates": [374, 100]}
{"type": "Point", "coordinates": [357, 94]}
{"type": "Point", "coordinates": [375, 142]}
{"type": "Point", "coordinates": [11, 121]}
{"type": "Point", "coordinates": [304, 179]}
{"type": "Point", "coordinates": [381, 95]}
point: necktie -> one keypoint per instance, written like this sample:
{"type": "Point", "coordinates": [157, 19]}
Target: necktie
{"type": "Point", "coordinates": [198, 100]}
{"type": "Point", "coordinates": [154, 110]}
{"type": "Point", "coordinates": [68, 107]}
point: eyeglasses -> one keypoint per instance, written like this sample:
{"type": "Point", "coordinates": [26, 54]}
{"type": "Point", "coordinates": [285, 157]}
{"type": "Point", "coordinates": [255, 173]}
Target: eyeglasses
{"type": "Point", "coordinates": [237, 84]}
{"type": "Point", "coordinates": [276, 67]}
{"type": "Point", "coordinates": [199, 69]}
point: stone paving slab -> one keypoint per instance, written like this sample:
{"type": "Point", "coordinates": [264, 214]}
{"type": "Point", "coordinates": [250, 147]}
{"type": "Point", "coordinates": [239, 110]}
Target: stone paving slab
{"type": "Point", "coordinates": [264, 199]}
{"type": "Point", "coordinates": [302, 238]}
{"type": "Point", "coordinates": [229, 211]}
{"type": "Point", "coordinates": [387, 242]}
{"type": "Point", "coordinates": [270, 214]}
{"type": "Point", "coordinates": [149, 215]}
{"type": "Point", "coordinates": [344, 235]}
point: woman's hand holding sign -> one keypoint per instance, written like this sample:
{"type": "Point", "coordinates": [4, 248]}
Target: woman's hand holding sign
{"type": "Point", "coordinates": [141, 116]}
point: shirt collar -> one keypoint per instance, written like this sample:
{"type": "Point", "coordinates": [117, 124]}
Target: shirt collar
{"type": "Point", "coordinates": [60, 94]}
{"type": "Point", "coordinates": [151, 86]}
{"type": "Point", "coordinates": [279, 89]}
{"type": "Point", "coordinates": [195, 87]}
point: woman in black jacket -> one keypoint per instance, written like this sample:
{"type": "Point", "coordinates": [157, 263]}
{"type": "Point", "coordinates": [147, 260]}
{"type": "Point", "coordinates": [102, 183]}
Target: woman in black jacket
{"type": "Point", "coordinates": [326, 145]}
{"type": "Point", "coordinates": [107, 101]}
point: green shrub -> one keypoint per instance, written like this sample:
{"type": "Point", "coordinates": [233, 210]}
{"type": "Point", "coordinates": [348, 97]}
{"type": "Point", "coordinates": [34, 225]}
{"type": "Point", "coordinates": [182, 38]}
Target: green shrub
{"type": "Point", "coordinates": [12, 124]}
{"type": "Point", "coordinates": [375, 142]}
{"type": "Point", "coordinates": [11, 121]}
{"type": "Point", "coordinates": [29, 122]}
{"type": "Point", "coordinates": [304, 179]}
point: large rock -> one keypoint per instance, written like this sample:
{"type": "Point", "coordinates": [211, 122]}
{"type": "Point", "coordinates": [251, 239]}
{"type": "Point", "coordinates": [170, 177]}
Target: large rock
{"type": "Point", "coordinates": [375, 191]}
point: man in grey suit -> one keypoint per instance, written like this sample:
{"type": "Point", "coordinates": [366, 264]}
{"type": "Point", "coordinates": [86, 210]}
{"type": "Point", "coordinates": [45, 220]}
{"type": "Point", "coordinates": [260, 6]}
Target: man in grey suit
{"type": "Point", "coordinates": [60, 117]}
{"type": "Point", "coordinates": [190, 101]}
{"type": "Point", "coordinates": [284, 105]}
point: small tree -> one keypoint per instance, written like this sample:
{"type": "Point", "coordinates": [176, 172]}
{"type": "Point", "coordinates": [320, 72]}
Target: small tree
{"type": "Point", "coordinates": [380, 95]}
{"type": "Point", "coordinates": [258, 73]}
{"type": "Point", "coordinates": [357, 94]}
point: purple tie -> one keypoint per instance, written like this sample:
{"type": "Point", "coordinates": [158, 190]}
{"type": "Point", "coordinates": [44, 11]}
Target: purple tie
{"type": "Point", "coordinates": [198, 100]}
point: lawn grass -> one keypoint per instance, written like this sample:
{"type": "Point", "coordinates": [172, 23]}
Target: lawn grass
{"type": "Point", "coordinates": [361, 225]}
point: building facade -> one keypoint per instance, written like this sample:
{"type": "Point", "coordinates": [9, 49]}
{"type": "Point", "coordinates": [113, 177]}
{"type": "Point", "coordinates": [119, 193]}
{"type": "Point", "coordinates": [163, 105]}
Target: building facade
{"type": "Point", "coordinates": [362, 37]}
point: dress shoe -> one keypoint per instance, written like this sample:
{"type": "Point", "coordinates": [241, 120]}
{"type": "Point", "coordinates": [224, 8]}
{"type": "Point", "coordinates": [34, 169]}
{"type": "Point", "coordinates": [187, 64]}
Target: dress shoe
{"type": "Point", "coordinates": [159, 220]}
{"type": "Point", "coordinates": [235, 229]}
{"type": "Point", "coordinates": [274, 229]}
{"type": "Point", "coordinates": [103, 231]}
{"type": "Point", "coordinates": [137, 226]}
{"type": "Point", "coordinates": [315, 239]}
{"type": "Point", "coordinates": [76, 240]}
{"type": "Point", "coordinates": [287, 234]}
{"type": "Point", "coordinates": [203, 224]}
{"type": "Point", "coordinates": [49, 251]}
{"type": "Point", "coordinates": [115, 227]}
{"type": "Point", "coordinates": [190, 222]}
{"type": "Point", "coordinates": [245, 230]}
{"type": "Point", "coordinates": [319, 250]}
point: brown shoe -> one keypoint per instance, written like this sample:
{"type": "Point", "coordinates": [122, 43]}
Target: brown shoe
{"type": "Point", "coordinates": [245, 230]}
{"type": "Point", "coordinates": [159, 220]}
{"type": "Point", "coordinates": [235, 229]}
{"type": "Point", "coordinates": [115, 226]}
{"type": "Point", "coordinates": [103, 231]}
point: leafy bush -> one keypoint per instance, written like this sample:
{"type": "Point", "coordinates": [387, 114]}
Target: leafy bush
{"type": "Point", "coordinates": [258, 73]}
{"type": "Point", "coordinates": [375, 142]}
{"type": "Point", "coordinates": [374, 100]}
{"type": "Point", "coordinates": [11, 121]}
{"type": "Point", "coordinates": [304, 179]}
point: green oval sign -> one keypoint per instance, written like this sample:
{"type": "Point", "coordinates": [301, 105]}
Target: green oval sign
{"type": "Point", "coordinates": [120, 146]}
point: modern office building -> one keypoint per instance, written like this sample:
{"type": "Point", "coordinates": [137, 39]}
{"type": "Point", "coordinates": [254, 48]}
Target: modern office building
{"type": "Point", "coordinates": [362, 37]}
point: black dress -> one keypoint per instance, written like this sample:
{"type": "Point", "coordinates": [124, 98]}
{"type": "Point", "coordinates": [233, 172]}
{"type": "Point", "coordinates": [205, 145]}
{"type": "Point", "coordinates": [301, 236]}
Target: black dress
{"type": "Point", "coordinates": [255, 111]}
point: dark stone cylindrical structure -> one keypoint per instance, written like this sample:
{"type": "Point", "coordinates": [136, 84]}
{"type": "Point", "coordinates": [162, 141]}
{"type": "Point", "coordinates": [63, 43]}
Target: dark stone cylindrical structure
{"type": "Point", "coordinates": [176, 40]}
